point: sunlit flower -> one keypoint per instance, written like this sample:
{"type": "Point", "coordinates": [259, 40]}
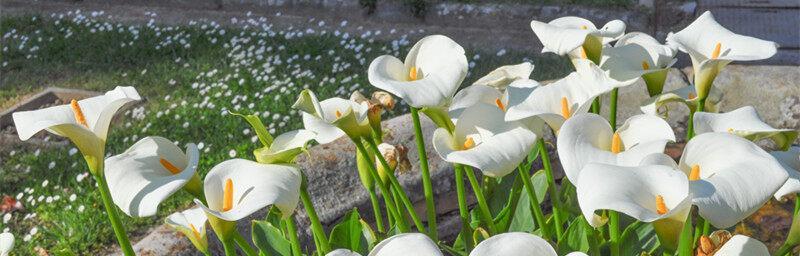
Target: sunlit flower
{"type": "Point", "coordinates": [483, 139]}
{"type": "Point", "coordinates": [790, 160]}
{"type": "Point", "coordinates": [516, 244]}
{"type": "Point", "coordinates": [637, 55]}
{"type": "Point", "coordinates": [711, 47]}
{"type": "Point", "coordinates": [406, 244]}
{"type": "Point", "coordinates": [743, 122]}
{"type": "Point", "coordinates": [236, 188]}
{"type": "Point", "coordinates": [84, 122]}
{"type": "Point", "coordinates": [149, 172]}
{"type": "Point", "coordinates": [588, 138]}
{"type": "Point", "coordinates": [577, 37]}
{"type": "Point", "coordinates": [6, 243]}
{"type": "Point", "coordinates": [721, 243]}
{"type": "Point", "coordinates": [285, 147]}
{"type": "Point", "coordinates": [192, 223]}
{"type": "Point", "coordinates": [491, 88]}
{"type": "Point", "coordinates": [332, 118]}
{"type": "Point", "coordinates": [430, 75]}
{"type": "Point", "coordinates": [556, 102]}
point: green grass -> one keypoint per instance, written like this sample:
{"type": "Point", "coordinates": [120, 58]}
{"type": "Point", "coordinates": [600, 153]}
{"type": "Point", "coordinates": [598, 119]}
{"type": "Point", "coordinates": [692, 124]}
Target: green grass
{"type": "Point", "coordinates": [172, 107]}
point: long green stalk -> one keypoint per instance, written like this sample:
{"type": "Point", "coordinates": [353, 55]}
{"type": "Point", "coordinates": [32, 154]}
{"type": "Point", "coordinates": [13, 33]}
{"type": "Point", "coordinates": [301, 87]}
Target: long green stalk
{"type": "Point", "coordinates": [398, 188]}
{"type": "Point", "coordinates": [535, 203]}
{"type": "Point", "coordinates": [613, 232]}
{"type": "Point", "coordinates": [483, 206]}
{"type": "Point", "coordinates": [690, 126]}
{"type": "Point", "coordinates": [427, 186]}
{"type": "Point", "coordinates": [463, 210]}
{"type": "Point", "coordinates": [376, 210]}
{"type": "Point", "coordinates": [244, 245]}
{"type": "Point", "coordinates": [113, 216]}
{"type": "Point", "coordinates": [793, 239]}
{"type": "Point", "coordinates": [390, 206]}
{"type": "Point", "coordinates": [291, 228]}
{"type": "Point", "coordinates": [316, 226]}
{"type": "Point", "coordinates": [686, 241]}
{"type": "Point", "coordinates": [555, 198]}
{"type": "Point", "coordinates": [612, 115]}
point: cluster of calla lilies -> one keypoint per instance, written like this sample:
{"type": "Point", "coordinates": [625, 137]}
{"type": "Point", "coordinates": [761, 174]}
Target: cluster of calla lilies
{"type": "Point", "coordinates": [496, 125]}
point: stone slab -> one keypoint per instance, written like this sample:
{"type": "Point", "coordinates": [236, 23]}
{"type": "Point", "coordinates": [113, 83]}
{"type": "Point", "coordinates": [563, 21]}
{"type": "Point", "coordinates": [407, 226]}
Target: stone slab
{"type": "Point", "coordinates": [751, 3]}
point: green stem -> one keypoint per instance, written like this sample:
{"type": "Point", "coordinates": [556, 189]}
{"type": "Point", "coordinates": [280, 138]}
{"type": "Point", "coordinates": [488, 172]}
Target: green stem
{"type": "Point", "coordinates": [535, 203]}
{"type": "Point", "coordinates": [316, 226]}
{"type": "Point", "coordinates": [376, 210]}
{"type": "Point", "coordinates": [244, 245]}
{"type": "Point", "coordinates": [596, 106]}
{"type": "Point", "coordinates": [463, 210]}
{"type": "Point", "coordinates": [690, 126]}
{"type": "Point", "coordinates": [555, 198]}
{"type": "Point", "coordinates": [483, 206]}
{"type": "Point", "coordinates": [794, 231]}
{"type": "Point", "coordinates": [427, 186]}
{"type": "Point", "coordinates": [390, 206]}
{"type": "Point", "coordinates": [398, 188]}
{"type": "Point", "coordinates": [113, 216]}
{"type": "Point", "coordinates": [612, 115]}
{"type": "Point", "coordinates": [685, 243]}
{"type": "Point", "coordinates": [613, 231]}
{"type": "Point", "coordinates": [291, 228]}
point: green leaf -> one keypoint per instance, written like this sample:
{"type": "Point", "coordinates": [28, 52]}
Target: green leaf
{"type": "Point", "coordinates": [540, 185]}
{"type": "Point", "coordinates": [369, 235]}
{"type": "Point", "coordinates": [269, 239]}
{"type": "Point", "coordinates": [348, 234]}
{"type": "Point", "coordinates": [575, 238]}
{"type": "Point", "coordinates": [523, 220]}
{"type": "Point", "coordinates": [258, 127]}
{"type": "Point", "coordinates": [639, 238]}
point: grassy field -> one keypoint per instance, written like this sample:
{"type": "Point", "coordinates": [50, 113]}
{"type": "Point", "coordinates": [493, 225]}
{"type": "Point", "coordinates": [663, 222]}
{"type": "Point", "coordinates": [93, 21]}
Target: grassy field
{"type": "Point", "coordinates": [190, 76]}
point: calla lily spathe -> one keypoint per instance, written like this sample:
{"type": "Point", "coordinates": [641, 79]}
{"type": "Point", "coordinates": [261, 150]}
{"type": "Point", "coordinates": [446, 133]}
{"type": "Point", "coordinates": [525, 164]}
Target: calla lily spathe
{"type": "Point", "coordinates": [6, 243]}
{"type": "Point", "coordinates": [740, 245]}
{"type": "Point", "coordinates": [516, 244]}
{"type": "Point", "coordinates": [648, 193]}
{"type": "Point", "coordinates": [192, 223]}
{"type": "Point", "coordinates": [743, 122]}
{"type": "Point", "coordinates": [236, 188]}
{"type": "Point", "coordinates": [712, 47]}
{"type": "Point", "coordinates": [491, 88]}
{"type": "Point", "coordinates": [730, 177]}
{"type": "Point", "coordinates": [790, 160]}
{"type": "Point", "coordinates": [333, 118]}
{"type": "Point", "coordinates": [556, 102]}
{"type": "Point", "coordinates": [148, 172]}
{"type": "Point", "coordinates": [285, 147]}
{"type": "Point", "coordinates": [406, 244]}
{"type": "Point", "coordinates": [85, 122]}
{"type": "Point", "coordinates": [685, 95]}
{"type": "Point", "coordinates": [483, 139]}
{"type": "Point", "coordinates": [430, 75]}
{"type": "Point", "coordinates": [637, 55]}
{"type": "Point", "coordinates": [588, 138]}
{"type": "Point", "coordinates": [577, 37]}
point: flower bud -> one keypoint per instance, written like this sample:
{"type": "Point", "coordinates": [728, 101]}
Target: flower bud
{"type": "Point", "coordinates": [384, 99]}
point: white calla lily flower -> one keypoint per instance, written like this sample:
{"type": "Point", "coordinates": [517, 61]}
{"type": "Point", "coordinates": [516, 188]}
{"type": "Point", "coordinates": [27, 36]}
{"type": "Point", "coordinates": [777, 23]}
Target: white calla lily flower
{"type": "Point", "coordinates": [712, 47]}
{"type": "Point", "coordinates": [149, 172]}
{"type": "Point", "coordinates": [192, 223]}
{"type": "Point", "coordinates": [577, 37]}
{"type": "Point", "coordinates": [285, 147]}
{"type": "Point", "coordinates": [743, 122]}
{"type": "Point", "coordinates": [236, 188]}
{"type": "Point", "coordinates": [484, 140]}
{"type": "Point", "coordinates": [731, 177]}
{"type": "Point", "coordinates": [558, 101]}
{"type": "Point", "coordinates": [648, 193]}
{"type": "Point", "coordinates": [6, 243]}
{"type": "Point", "coordinates": [342, 252]}
{"type": "Point", "coordinates": [514, 243]}
{"type": "Point", "coordinates": [588, 138]}
{"type": "Point", "coordinates": [790, 160]}
{"type": "Point", "coordinates": [685, 95]}
{"type": "Point", "coordinates": [491, 89]}
{"type": "Point", "coordinates": [740, 245]}
{"type": "Point", "coordinates": [430, 75]}
{"type": "Point", "coordinates": [639, 55]}
{"type": "Point", "coordinates": [333, 118]}
{"type": "Point", "coordinates": [406, 244]}
{"type": "Point", "coordinates": [85, 122]}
